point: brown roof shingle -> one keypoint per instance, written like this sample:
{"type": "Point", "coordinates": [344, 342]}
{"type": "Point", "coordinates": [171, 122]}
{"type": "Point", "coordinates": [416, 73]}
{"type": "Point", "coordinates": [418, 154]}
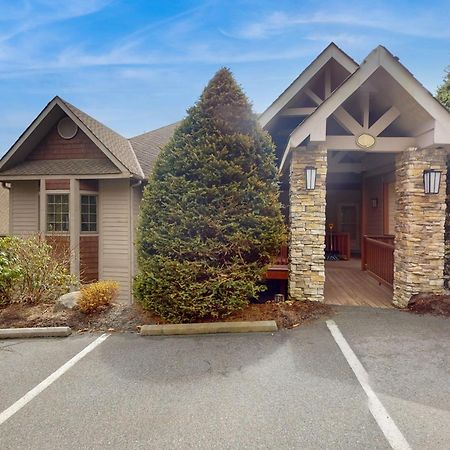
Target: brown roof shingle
{"type": "Point", "coordinates": [148, 145]}
{"type": "Point", "coordinates": [119, 146]}
{"type": "Point", "coordinates": [63, 167]}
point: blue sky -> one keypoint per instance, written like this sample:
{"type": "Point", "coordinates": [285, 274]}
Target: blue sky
{"type": "Point", "coordinates": [137, 65]}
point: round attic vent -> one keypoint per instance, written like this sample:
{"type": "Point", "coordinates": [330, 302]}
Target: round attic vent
{"type": "Point", "coordinates": [67, 128]}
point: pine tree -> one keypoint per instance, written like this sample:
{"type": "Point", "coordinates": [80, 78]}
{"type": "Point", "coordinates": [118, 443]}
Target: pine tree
{"type": "Point", "coordinates": [443, 92]}
{"type": "Point", "coordinates": [210, 218]}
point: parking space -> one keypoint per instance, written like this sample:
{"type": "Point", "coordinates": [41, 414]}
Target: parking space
{"type": "Point", "coordinates": [292, 389]}
{"type": "Point", "coordinates": [408, 359]}
{"type": "Point", "coordinates": [26, 362]}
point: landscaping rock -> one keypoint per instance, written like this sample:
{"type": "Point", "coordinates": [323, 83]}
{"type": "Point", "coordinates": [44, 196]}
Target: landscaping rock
{"type": "Point", "coordinates": [428, 303]}
{"type": "Point", "coordinates": [67, 301]}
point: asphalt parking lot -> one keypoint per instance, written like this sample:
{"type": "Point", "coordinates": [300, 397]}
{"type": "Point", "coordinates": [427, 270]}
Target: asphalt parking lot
{"type": "Point", "coordinates": [291, 389]}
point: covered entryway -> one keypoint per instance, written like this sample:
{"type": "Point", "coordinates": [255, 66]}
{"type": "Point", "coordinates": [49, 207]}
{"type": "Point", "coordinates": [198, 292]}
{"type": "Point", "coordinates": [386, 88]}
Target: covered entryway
{"type": "Point", "coordinates": [360, 222]}
{"type": "Point", "coordinates": [340, 114]}
{"type": "Point", "coordinates": [346, 284]}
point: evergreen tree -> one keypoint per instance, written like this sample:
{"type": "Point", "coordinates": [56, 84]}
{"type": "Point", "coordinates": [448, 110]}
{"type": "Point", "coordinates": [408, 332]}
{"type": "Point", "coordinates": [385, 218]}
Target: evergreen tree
{"type": "Point", "coordinates": [210, 218]}
{"type": "Point", "coordinates": [443, 92]}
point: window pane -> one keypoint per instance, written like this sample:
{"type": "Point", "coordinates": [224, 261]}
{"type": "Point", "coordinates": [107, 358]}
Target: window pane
{"type": "Point", "coordinates": [57, 212]}
{"type": "Point", "coordinates": [89, 213]}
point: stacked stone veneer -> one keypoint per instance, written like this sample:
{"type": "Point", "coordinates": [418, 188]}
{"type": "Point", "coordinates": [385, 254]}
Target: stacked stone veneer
{"type": "Point", "coordinates": [447, 234]}
{"type": "Point", "coordinates": [419, 229]}
{"type": "Point", "coordinates": [307, 226]}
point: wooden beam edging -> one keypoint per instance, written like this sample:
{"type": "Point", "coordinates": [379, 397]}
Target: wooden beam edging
{"type": "Point", "coordinates": [209, 328]}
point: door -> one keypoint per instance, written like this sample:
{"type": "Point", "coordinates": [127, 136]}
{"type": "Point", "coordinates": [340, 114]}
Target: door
{"type": "Point", "coordinates": [348, 222]}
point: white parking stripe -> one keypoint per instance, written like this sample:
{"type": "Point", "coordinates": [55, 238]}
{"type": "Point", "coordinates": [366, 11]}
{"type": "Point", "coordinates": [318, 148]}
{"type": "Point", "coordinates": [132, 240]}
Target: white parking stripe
{"type": "Point", "coordinates": [384, 420]}
{"type": "Point", "coordinates": [17, 406]}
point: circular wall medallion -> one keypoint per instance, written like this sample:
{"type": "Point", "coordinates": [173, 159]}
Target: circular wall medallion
{"type": "Point", "coordinates": [67, 128]}
{"type": "Point", "coordinates": [365, 140]}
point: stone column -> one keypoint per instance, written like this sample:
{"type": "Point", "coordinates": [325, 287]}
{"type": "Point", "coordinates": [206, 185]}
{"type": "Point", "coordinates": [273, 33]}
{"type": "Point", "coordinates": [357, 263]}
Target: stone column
{"type": "Point", "coordinates": [419, 226]}
{"type": "Point", "coordinates": [307, 226]}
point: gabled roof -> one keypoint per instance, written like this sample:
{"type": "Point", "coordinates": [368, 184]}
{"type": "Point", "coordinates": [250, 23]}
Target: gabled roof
{"type": "Point", "coordinates": [147, 146]}
{"type": "Point", "coordinates": [330, 52]}
{"type": "Point", "coordinates": [314, 126]}
{"type": "Point", "coordinates": [115, 147]}
{"type": "Point", "coordinates": [119, 146]}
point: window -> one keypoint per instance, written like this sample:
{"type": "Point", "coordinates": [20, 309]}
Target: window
{"type": "Point", "coordinates": [89, 213]}
{"type": "Point", "coordinates": [58, 212]}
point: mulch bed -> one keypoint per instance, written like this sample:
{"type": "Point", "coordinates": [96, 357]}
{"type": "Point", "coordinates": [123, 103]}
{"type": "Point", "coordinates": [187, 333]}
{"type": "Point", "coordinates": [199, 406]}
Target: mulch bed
{"type": "Point", "coordinates": [124, 318]}
{"type": "Point", "coordinates": [430, 304]}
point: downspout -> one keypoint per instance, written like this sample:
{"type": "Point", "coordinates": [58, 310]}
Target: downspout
{"type": "Point", "coordinates": [6, 185]}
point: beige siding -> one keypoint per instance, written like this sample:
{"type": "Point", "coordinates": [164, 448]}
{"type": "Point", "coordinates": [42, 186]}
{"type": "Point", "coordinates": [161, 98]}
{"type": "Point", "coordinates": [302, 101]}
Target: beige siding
{"type": "Point", "coordinates": [24, 208]}
{"type": "Point", "coordinates": [4, 211]}
{"type": "Point", "coordinates": [137, 195]}
{"type": "Point", "coordinates": [115, 234]}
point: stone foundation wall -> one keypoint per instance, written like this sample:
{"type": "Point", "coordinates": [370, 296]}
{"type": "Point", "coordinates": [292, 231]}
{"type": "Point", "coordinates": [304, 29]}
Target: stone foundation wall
{"type": "Point", "coordinates": [419, 229]}
{"type": "Point", "coordinates": [447, 234]}
{"type": "Point", "coordinates": [307, 226]}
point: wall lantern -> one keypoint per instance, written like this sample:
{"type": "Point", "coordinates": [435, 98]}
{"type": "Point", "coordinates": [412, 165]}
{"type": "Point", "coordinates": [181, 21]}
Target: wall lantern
{"type": "Point", "coordinates": [375, 203]}
{"type": "Point", "coordinates": [310, 176]}
{"type": "Point", "coordinates": [431, 181]}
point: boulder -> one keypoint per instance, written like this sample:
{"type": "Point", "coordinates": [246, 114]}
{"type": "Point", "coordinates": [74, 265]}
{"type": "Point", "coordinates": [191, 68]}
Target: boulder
{"type": "Point", "coordinates": [67, 301]}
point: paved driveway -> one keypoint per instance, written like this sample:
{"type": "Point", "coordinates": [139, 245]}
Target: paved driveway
{"type": "Point", "coordinates": [292, 389]}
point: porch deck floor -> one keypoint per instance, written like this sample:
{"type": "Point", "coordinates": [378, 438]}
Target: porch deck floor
{"type": "Point", "coordinates": [346, 284]}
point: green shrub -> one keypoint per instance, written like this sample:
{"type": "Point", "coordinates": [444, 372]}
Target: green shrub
{"type": "Point", "coordinates": [97, 295]}
{"type": "Point", "coordinates": [210, 218]}
{"type": "Point", "coordinates": [9, 273]}
{"type": "Point", "coordinates": [30, 273]}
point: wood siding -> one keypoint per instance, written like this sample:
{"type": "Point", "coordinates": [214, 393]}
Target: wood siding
{"type": "Point", "coordinates": [374, 215]}
{"type": "Point", "coordinates": [53, 146]}
{"type": "Point", "coordinates": [115, 234]}
{"type": "Point", "coordinates": [88, 259]}
{"type": "Point", "coordinates": [57, 185]}
{"type": "Point", "coordinates": [24, 208]}
{"type": "Point", "coordinates": [89, 185]}
{"type": "Point", "coordinates": [4, 211]}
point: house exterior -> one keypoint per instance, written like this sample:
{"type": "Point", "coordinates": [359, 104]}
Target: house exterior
{"type": "Point", "coordinates": [4, 210]}
{"type": "Point", "coordinates": [355, 144]}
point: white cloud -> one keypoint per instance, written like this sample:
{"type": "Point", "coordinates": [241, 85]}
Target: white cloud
{"type": "Point", "coordinates": [280, 22]}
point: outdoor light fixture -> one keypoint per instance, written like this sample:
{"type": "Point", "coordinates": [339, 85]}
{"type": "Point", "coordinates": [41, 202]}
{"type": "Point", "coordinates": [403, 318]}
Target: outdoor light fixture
{"type": "Point", "coordinates": [310, 176]}
{"type": "Point", "coordinates": [375, 203]}
{"type": "Point", "coordinates": [431, 181]}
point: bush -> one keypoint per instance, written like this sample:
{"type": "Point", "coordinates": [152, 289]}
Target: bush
{"type": "Point", "coordinates": [9, 273]}
{"type": "Point", "coordinates": [97, 295]}
{"type": "Point", "coordinates": [29, 272]}
{"type": "Point", "coordinates": [210, 218]}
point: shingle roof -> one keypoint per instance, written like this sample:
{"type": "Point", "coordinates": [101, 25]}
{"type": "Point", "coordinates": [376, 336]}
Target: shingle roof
{"type": "Point", "coordinates": [63, 167]}
{"type": "Point", "coordinates": [135, 155]}
{"type": "Point", "coordinates": [148, 145]}
{"type": "Point", "coordinates": [119, 146]}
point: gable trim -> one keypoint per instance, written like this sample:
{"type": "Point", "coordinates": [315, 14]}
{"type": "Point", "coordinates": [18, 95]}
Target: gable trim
{"type": "Point", "coordinates": [314, 126]}
{"type": "Point", "coordinates": [38, 120]}
{"type": "Point", "coordinates": [330, 52]}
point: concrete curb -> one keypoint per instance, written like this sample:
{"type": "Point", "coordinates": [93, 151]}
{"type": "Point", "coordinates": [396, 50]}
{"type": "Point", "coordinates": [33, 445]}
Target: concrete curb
{"type": "Point", "coordinates": [209, 328]}
{"type": "Point", "coordinates": [16, 333]}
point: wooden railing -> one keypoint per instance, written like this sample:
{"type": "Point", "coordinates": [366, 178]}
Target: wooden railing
{"type": "Point", "coordinates": [279, 270]}
{"type": "Point", "coordinates": [377, 258]}
{"type": "Point", "coordinates": [338, 243]}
